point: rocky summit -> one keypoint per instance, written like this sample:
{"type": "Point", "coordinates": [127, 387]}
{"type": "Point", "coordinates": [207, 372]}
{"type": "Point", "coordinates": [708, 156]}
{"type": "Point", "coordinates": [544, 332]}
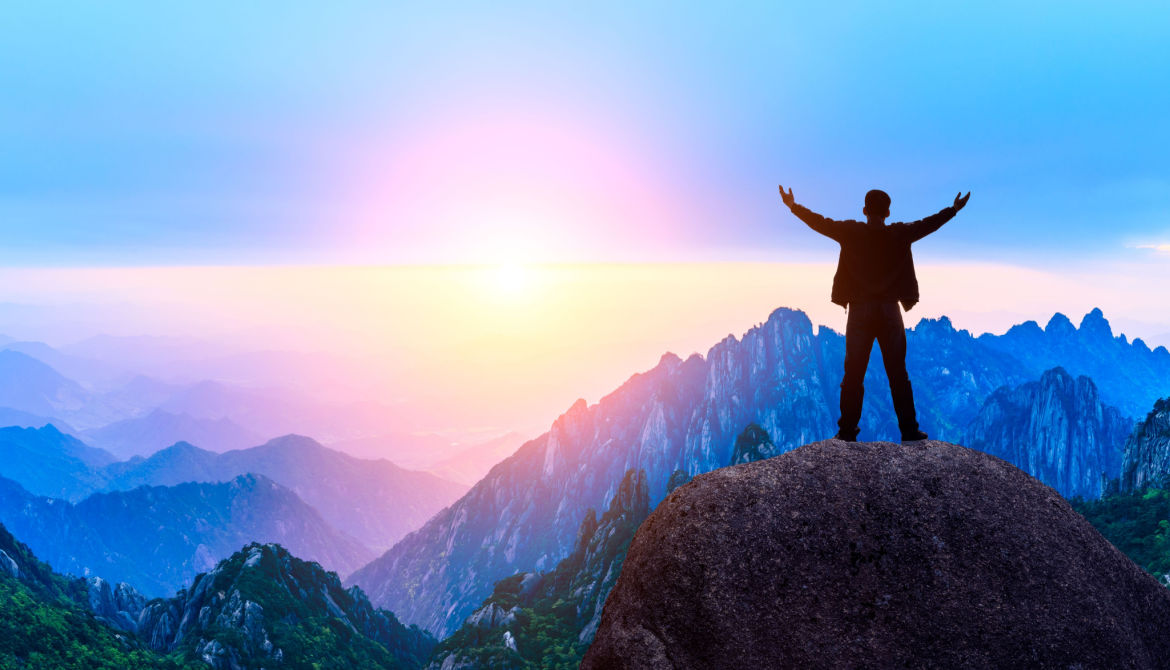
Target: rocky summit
{"type": "Point", "coordinates": [875, 555]}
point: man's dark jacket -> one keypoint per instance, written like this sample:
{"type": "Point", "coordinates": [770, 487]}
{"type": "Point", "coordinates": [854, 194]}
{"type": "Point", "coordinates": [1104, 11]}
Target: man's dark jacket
{"type": "Point", "coordinates": [875, 263]}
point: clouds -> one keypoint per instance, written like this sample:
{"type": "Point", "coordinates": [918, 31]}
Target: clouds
{"type": "Point", "coordinates": [1160, 248]}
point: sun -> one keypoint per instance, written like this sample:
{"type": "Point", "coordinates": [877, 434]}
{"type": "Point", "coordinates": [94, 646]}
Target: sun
{"type": "Point", "coordinates": [511, 281]}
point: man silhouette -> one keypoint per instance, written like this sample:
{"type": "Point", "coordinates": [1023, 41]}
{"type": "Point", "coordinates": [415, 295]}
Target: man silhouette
{"type": "Point", "coordinates": [875, 272]}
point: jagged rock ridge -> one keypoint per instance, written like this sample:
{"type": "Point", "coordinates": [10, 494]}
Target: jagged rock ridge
{"type": "Point", "coordinates": [1057, 430]}
{"type": "Point", "coordinates": [1130, 375]}
{"type": "Point", "coordinates": [877, 555]}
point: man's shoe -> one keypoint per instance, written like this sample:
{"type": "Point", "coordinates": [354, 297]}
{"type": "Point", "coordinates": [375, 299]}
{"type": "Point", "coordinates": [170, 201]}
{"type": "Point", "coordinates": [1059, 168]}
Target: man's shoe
{"type": "Point", "coordinates": [915, 436]}
{"type": "Point", "coordinates": [847, 437]}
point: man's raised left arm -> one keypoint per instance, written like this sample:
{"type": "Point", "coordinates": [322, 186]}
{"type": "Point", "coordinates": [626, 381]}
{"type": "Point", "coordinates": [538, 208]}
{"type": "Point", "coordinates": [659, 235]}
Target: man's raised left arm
{"type": "Point", "coordinates": [920, 229]}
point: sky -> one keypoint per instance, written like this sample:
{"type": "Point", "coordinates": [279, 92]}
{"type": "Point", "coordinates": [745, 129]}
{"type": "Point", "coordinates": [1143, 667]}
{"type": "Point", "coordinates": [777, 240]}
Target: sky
{"type": "Point", "coordinates": [224, 167]}
{"type": "Point", "coordinates": [386, 133]}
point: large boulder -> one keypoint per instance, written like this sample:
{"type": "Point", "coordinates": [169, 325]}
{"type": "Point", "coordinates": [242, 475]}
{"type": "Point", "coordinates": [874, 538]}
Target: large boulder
{"type": "Point", "coordinates": [876, 555]}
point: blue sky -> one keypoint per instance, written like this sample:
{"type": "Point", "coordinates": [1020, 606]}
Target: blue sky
{"type": "Point", "coordinates": [253, 133]}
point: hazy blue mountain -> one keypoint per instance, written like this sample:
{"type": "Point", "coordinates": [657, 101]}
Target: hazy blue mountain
{"type": "Point", "coordinates": [136, 397]}
{"type": "Point", "coordinates": [416, 452]}
{"type": "Point", "coordinates": [470, 464]}
{"type": "Point", "coordinates": [1130, 375]}
{"type": "Point", "coordinates": [263, 607]}
{"type": "Point", "coordinates": [376, 502]}
{"type": "Point", "coordinates": [178, 463]}
{"type": "Point", "coordinates": [144, 435]}
{"type": "Point", "coordinates": [146, 353]}
{"type": "Point", "coordinates": [21, 419]}
{"type": "Point", "coordinates": [87, 371]}
{"type": "Point", "coordinates": [29, 385]}
{"type": "Point", "coordinates": [213, 399]}
{"type": "Point", "coordinates": [279, 411]}
{"type": "Point", "coordinates": [158, 538]}
{"type": "Point", "coordinates": [1055, 429]}
{"type": "Point", "coordinates": [47, 462]}
{"type": "Point", "coordinates": [1147, 451]}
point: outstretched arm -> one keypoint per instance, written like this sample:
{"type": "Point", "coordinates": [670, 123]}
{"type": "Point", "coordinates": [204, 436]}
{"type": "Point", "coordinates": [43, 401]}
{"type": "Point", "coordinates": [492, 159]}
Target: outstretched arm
{"type": "Point", "coordinates": [920, 229]}
{"type": "Point", "coordinates": [824, 226]}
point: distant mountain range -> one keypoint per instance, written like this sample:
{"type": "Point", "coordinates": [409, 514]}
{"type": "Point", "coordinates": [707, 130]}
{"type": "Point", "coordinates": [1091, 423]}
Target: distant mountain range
{"type": "Point", "coordinates": [48, 462]}
{"type": "Point", "coordinates": [375, 501]}
{"type": "Point", "coordinates": [144, 435]}
{"type": "Point", "coordinates": [158, 538]}
{"type": "Point", "coordinates": [1129, 375]}
{"type": "Point", "coordinates": [29, 385]}
{"type": "Point", "coordinates": [684, 415]}
{"type": "Point", "coordinates": [106, 380]}
{"type": "Point", "coordinates": [469, 464]}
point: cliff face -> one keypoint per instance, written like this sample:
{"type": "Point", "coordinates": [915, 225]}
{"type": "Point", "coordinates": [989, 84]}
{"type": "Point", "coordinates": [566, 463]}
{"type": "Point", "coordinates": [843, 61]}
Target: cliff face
{"type": "Point", "coordinates": [877, 555]}
{"type": "Point", "coordinates": [1057, 430]}
{"type": "Point", "coordinates": [681, 415]}
{"type": "Point", "coordinates": [1147, 451]}
{"type": "Point", "coordinates": [548, 619]}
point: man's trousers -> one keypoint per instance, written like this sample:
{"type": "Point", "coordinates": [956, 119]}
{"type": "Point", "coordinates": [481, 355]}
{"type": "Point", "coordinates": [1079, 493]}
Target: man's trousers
{"type": "Point", "coordinates": [881, 321]}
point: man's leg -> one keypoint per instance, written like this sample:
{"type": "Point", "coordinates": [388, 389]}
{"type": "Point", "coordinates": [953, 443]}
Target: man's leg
{"type": "Point", "coordinates": [892, 340]}
{"type": "Point", "coordinates": [858, 345]}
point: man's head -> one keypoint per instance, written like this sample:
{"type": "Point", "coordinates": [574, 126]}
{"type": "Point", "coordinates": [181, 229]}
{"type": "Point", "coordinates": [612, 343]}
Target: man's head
{"type": "Point", "coordinates": [877, 206]}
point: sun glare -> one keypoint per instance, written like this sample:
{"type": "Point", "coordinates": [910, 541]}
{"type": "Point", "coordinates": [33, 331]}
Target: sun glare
{"type": "Point", "coordinates": [511, 281]}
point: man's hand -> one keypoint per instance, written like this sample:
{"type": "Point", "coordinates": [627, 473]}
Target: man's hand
{"type": "Point", "coordinates": [790, 199]}
{"type": "Point", "coordinates": [961, 200]}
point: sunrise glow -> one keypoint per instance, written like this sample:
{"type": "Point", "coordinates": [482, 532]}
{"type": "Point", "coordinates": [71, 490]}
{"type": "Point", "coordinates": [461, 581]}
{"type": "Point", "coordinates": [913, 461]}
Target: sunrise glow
{"type": "Point", "coordinates": [511, 281]}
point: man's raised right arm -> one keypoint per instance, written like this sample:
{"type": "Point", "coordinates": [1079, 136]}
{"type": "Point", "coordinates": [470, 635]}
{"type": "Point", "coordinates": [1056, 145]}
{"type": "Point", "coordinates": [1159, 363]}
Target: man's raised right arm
{"type": "Point", "coordinates": [824, 226]}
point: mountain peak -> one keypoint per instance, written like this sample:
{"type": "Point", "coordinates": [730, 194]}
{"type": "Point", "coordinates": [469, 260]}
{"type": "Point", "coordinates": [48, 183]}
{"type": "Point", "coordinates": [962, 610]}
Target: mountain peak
{"type": "Point", "coordinates": [1094, 324]}
{"type": "Point", "coordinates": [260, 606]}
{"type": "Point", "coordinates": [787, 314]}
{"type": "Point", "coordinates": [293, 441]}
{"type": "Point", "coordinates": [669, 359]}
{"type": "Point", "coordinates": [940, 326]}
{"type": "Point", "coordinates": [783, 552]}
{"type": "Point", "coordinates": [1060, 325]}
{"type": "Point", "coordinates": [1056, 374]}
